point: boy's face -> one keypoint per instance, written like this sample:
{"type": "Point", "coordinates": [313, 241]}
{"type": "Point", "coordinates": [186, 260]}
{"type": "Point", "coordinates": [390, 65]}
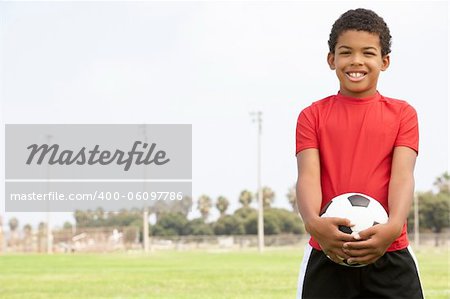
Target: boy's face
{"type": "Point", "coordinates": [358, 61]}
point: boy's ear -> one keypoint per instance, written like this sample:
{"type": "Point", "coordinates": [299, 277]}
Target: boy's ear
{"type": "Point", "coordinates": [330, 60]}
{"type": "Point", "coordinates": [386, 62]}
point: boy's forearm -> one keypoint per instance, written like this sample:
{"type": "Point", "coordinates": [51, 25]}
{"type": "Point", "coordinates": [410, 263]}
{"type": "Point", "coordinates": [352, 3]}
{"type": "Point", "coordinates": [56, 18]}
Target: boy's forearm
{"type": "Point", "coordinates": [309, 197]}
{"type": "Point", "coordinates": [401, 192]}
{"type": "Point", "coordinates": [401, 186]}
{"type": "Point", "coordinates": [309, 192]}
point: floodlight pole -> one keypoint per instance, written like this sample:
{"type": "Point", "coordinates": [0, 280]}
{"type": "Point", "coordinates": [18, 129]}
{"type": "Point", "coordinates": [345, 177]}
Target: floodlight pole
{"type": "Point", "coordinates": [257, 117]}
{"type": "Point", "coordinates": [145, 212]}
{"type": "Point", "coordinates": [49, 230]}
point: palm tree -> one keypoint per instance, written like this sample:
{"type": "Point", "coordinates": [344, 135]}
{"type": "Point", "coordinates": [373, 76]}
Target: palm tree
{"type": "Point", "coordinates": [443, 183]}
{"type": "Point", "coordinates": [13, 224]}
{"type": "Point", "coordinates": [292, 198]}
{"type": "Point", "coordinates": [204, 206]}
{"type": "Point", "coordinates": [182, 206]}
{"type": "Point", "coordinates": [222, 205]}
{"type": "Point", "coordinates": [42, 239]}
{"type": "Point", "coordinates": [245, 198]}
{"type": "Point", "coordinates": [268, 196]}
{"type": "Point", "coordinates": [28, 237]}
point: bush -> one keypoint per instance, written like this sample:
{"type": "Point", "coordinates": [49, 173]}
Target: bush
{"type": "Point", "coordinates": [290, 222]}
{"type": "Point", "coordinates": [198, 227]}
{"type": "Point", "coordinates": [276, 221]}
{"type": "Point", "coordinates": [229, 225]}
{"type": "Point", "coordinates": [170, 224]}
{"type": "Point", "coordinates": [245, 213]}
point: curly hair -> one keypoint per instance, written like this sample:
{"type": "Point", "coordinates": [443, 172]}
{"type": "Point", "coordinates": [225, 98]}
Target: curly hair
{"type": "Point", "coordinates": [361, 19]}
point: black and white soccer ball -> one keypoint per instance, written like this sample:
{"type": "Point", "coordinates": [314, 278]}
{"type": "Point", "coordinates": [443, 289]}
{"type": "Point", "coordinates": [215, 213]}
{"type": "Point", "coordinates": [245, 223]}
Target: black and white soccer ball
{"type": "Point", "coordinates": [362, 210]}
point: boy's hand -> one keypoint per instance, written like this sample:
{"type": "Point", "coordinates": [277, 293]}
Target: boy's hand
{"type": "Point", "coordinates": [373, 243]}
{"type": "Point", "coordinates": [326, 232]}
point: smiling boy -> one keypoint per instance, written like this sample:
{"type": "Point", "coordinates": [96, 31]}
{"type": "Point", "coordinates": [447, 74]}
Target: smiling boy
{"type": "Point", "coordinates": [357, 141]}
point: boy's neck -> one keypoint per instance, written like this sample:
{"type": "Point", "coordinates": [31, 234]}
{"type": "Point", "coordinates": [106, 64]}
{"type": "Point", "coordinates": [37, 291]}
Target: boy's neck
{"type": "Point", "coordinates": [359, 96]}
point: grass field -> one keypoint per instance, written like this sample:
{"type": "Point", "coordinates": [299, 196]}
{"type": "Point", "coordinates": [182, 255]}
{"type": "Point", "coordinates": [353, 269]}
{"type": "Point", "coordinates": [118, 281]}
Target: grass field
{"type": "Point", "coordinates": [192, 274]}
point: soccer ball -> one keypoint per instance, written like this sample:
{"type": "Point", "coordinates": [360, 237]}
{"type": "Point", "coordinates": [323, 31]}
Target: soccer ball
{"type": "Point", "coordinates": [362, 210]}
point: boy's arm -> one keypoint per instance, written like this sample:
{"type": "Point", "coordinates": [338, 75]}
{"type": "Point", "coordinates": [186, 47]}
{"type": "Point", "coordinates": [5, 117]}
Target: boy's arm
{"type": "Point", "coordinates": [309, 191]}
{"type": "Point", "coordinates": [378, 238]}
{"type": "Point", "coordinates": [309, 198]}
{"type": "Point", "coordinates": [401, 186]}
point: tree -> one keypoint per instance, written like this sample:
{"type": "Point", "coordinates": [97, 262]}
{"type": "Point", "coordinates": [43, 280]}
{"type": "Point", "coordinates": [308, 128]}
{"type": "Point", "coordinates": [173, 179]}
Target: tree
{"type": "Point", "coordinates": [245, 198]}
{"type": "Point", "coordinates": [27, 229]}
{"type": "Point", "coordinates": [289, 222]}
{"type": "Point", "coordinates": [222, 205]}
{"type": "Point", "coordinates": [244, 213]}
{"type": "Point", "coordinates": [170, 224]}
{"type": "Point", "coordinates": [268, 196]}
{"type": "Point", "coordinates": [183, 206]}
{"type": "Point", "coordinates": [81, 218]}
{"type": "Point", "coordinates": [443, 183]}
{"type": "Point", "coordinates": [42, 239]}
{"type": "Point", "coordinates": [198, 227]}
{"type": "Point", "coordinates": [67, 225]}
{"type": "Point", "coordinates": [276, 221]}
{"type": "Point", "coordinates": [98, 216]}
{"type": "Point", "coordinates": [28, 237]}
{"type": "Point", "coordinates": [13, 224]}
{"type": "Point", "coordinates": [292, 198]}
{"type": "Point", "coordinates": [229, 225]}
{"type": "Point", "coordinates": [434, 211]}
{"type": "Point", "coordinates": [204, 206]}
{"type": "Point", "coordinates": [271, 225]}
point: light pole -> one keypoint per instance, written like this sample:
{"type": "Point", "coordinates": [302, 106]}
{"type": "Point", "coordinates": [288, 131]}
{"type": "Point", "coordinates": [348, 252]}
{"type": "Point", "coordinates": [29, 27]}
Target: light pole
{"type": "Point", "coordinates": [257, 117]}
{"type": "Point", "coordinates": [49, 230]}
{"type": "Point", "coordinates": [145, 212]}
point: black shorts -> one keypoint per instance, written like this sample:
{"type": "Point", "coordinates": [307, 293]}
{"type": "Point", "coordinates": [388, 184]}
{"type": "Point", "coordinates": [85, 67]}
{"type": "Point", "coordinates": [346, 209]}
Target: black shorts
{"type": "Point", "coordinates": [395, 275]}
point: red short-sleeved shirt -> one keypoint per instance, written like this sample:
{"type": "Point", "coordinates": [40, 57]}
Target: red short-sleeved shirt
{"type": "Point", "coordinates": [356, 138]}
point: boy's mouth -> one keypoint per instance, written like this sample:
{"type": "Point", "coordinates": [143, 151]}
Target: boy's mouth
{"type": "Point", "coordinates": [356, 76]}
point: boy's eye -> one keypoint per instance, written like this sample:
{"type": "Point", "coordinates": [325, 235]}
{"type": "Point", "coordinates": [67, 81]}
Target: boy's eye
{"type": "Point", "coordinates": [370, 53]}
{"type": "Point", "coordinates": [345, 53]}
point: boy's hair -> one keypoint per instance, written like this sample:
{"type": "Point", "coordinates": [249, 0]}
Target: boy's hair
{"type": "Point", "coordinates": [361, 19]}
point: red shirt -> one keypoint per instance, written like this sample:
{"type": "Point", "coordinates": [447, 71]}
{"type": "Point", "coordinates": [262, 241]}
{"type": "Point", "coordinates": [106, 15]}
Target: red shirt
{"type": "Point", "coordinates": [356, 138]}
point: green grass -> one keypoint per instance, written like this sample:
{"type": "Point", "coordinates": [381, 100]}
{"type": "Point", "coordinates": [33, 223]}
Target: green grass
{"type": "Point", "coordinates": [191, 274]}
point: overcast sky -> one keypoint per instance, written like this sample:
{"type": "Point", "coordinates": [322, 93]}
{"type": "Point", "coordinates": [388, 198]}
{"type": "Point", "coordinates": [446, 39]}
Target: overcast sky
{"type": "Point", "coordinates": [210, 64]}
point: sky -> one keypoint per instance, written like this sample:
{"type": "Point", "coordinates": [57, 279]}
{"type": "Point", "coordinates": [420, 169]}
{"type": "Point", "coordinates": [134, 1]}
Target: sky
{"type": "Point", "coordinates": [211, 64]}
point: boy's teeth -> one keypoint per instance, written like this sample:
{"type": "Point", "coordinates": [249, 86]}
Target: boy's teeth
{"type": "Point", "coordinates": [356, 75]}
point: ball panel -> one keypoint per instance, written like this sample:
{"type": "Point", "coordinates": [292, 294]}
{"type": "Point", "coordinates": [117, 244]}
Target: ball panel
{"type": "Point", "coordinates": [345, 229]}
{"type": "Point", "coordinates": [361, 218]}
{"type": "Point", "coordinates": [324, 209]}
{"type": "Point", "coordinates": [358, 200]}
{"type": "Point", "coordinates": [339, 207]}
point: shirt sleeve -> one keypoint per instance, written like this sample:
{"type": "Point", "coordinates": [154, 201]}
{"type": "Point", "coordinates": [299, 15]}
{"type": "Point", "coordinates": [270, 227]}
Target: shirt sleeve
{"type": "Point", "coordinates": [408, 134]}
{"type": "Point", "coordinates": [306, 133]}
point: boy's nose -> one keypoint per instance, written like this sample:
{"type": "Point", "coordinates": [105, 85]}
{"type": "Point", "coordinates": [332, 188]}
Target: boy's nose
{"type": "Point", "coordinates": [355, 63]}
{"type": "Point", "coordinates": [356, 60]}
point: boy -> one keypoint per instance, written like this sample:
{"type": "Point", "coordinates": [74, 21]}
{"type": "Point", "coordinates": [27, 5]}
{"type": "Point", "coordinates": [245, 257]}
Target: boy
{"type": "Point", "coordinates": [357, 141]}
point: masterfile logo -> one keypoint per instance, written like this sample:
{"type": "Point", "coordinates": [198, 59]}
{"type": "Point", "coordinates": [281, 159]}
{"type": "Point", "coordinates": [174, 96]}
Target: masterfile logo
{"type": "Point", "coordinates": [91, 157]}
{"type": "Point", "coordinates": [98, 151]}
{"type": "Point", "coordinates": [62, 168]}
